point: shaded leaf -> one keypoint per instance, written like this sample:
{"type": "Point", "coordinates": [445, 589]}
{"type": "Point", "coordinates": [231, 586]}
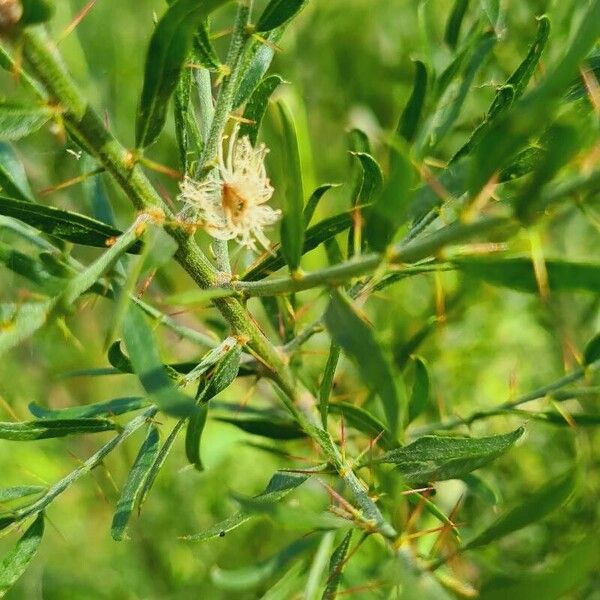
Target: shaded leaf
{"type": "Point", "coordinates": [21, 491]}
{"type": "Point", "coordinates": [547, 499]}
{"type": "Point", "coordinates": [282, 429]}
{"type": "Point", "coordinates": [287, 585]}
{"type": "Point", "coordinates": [278, 13]}
{"type": "Point", "coordinates": [168, 49]}
{"type": "Point", "coordinates": [251, 577]}
{"type": "Point", "coordinates": [326, 386]}
{"type": "Point", "coordinates": [592, 350]}
{"type": "Point", "coordinates": [280, 485]}
{"type": "Point", "coordinates": [455, 21]}
{"type": "Point", "coordinates": [518, 273]}
{"type": "Point", "coordinates": [411, 116]}
{"type": "Point", "coordinates": [135, 480]}
{"type": "Point", "coordinates": [204, 50]}
{"type": "Point", "coordinates": [193, 436]}
{"type": "Point", "coordinates": [311, 206]}
{"type": "Point", "coordinates": [357, 340]}
{"type": "Point", "coordinates": [13, 180]}
{"type": "Point", "coordinates": [419, 398]}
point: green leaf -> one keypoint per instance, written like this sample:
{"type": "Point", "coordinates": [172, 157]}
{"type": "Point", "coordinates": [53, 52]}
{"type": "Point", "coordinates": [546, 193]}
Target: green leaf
{"type": "Point", "coordinates": [36, 11]}
{"type": "Point", "coordinates": [18, 121]}
{"type": "Point", "coordinates": [63, 224]}
{"type": "Point", "coordinates": [555, 583]}
{"type": "Point", "coordinates": [278, 13]}
{"type": "Point", "coordinates": [390, 209]}
{"type": "Point", "coordinates": [17, 560]}
{"type": "Point", "coordinates": [38, 430]}
{"type": "Point", "coordinates": [336, 566]}
{"type": "Point", "coordinates": [372, 179]}
{"type": "Point", "coordinates": [20, 321]}
{"type": "Point", "coordinates": [149, 368]}
{"type": "Point", "coordinates": [168, 49]}
{"type": "Point", "coordinates": [274, 429]}
{"type": "Point", "coordinates": [118, 406]}
{"type": "Point", "coordinates": [436, 458]}
{"type": "Point", "coordinates": [13, 179]}
{"type": "Point", "coordinates": [251, 577]}
{"type": "Point", "coordinates": [419, 398]}
{"type": "Point", "coordinates": [452, 102]}
{"type": "Point", "coordinates": [534, 111]}
{"type": "Point", "coordinates": [326, 386]}
{"type": "Point", "coordinates": [454, 23]}
{"type": "Point", "coordinates": [258, 65]}
{"type": "Point", "coordinates": [518, 273]}
{"type": "Point", "coordinates": [592, 350]}
{"type": "Point", "coordinates": [280, 485]}
{"type": "Point", "coordinates": [135, 481]}
{"type": "Point", "coordinates": [257, 105]}
{"type": "Point", "coordinates": [311, 206]}
{"type": "Point", "coordinates": [286, 587]}
{"type": "Point", "coordinates": [223, 374]}
{"type": "Point", "coordinates": [411, 116]}
{"type": "Point", "coordinates": [535, 507]}
{"type": "Point", "coordinates": [314, 236]}
{"type": "Point", "coordinates": [204, 50]}
{"type": "Point", "coordinates": [292, 223]}
{"type": "Point", "coordinates": [193, 436]}
{"type": "Point", "coordinates": [21, 491]}
{"type": "Point", "coordinates": [365, 422]}
{"type": "Point", "coordinates": [357, 340]}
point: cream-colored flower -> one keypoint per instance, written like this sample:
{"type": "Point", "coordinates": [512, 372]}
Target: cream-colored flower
{"type": "Point", "coordinates": [231, 202]}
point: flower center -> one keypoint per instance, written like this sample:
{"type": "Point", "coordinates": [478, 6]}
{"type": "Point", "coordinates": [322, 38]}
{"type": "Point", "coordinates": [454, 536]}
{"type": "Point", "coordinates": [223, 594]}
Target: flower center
{"type": "Point", "coordinates": [234, 203]}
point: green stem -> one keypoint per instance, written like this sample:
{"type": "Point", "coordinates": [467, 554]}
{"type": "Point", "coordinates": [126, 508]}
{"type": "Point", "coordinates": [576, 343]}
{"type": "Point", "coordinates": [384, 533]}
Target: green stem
{"type": "Point", "coordinates": [536, 394]}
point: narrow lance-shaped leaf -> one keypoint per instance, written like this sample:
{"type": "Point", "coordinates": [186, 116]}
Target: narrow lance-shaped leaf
{"type": "Point", "coordinates": [115, 407]}
{"type": "Point", "coordinates": [18, 121]}
{"type": "Point", "coordinates": [514, 87]}
{"type": "Point", "coordinates": [168, 49]}
{"type": "Point", "coordinates": [36, 11]}
{"type": "Point", "coordinates": [247, 578]}
{"type": "Point", "coordinates": [419, 399]}
{"type": "Point", "coordinates": [292, 223]}
{"type": "Point", "coordinates": [149, 368]}
{"type": "Point", "coordinates": [17, 560]}
{"type": "Point", "coordinates": [280, 485]}
{"type": "Point", "coordinates": [18, 492]}
{"type": "Point", "coordinates": [278, 13]}
{"type": "Point", "coordinates": [518, 273]}
{"type": "Point", "coordinates": [134, 483]}
{"type": "Point", "coordinates": [411, 116]}
{"type": "Point", "coordinates": [274, 429]}
{"type": "Point", "coordinates": [336, 566]}
{"type": "Point", "coordinates": [39, 430]}
{"type": "Point", "coordinates": [390, 209]}
{"type": "Point", "coordinates": [437, 458]}
{"type": "Point", "coordinates": [63, 224]}
{"type": "Point", "coordinates": [592, 350]}
{"type": "Point", "coordinates": [314, 236]}
{"type": "Point", "coordinates": [357, 340]}
{"type": "Point", "coordinates": [311, 206]}
{"type": "Point", "coordinates": [455, 22]}
{"type": "Point", "coordinates": [222, 377]}
{"type": "Point", "coordinates": [258, 65]}
{"type": "Point", "coordinates": [13, 180]}
{"type": "Point", "coordinates": [21, 321]}
{"type": "Point", "coordinates": [204, 51]}
{"type": "Point", "coordinates": [326, 386]}
{"type": "Point", "coordinates": [257, 105]}
{"type": "Point", "coordinates": [547, 499]}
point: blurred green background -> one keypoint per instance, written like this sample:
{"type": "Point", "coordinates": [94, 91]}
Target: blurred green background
{"type": "Point", "coordinates": [349, 64]}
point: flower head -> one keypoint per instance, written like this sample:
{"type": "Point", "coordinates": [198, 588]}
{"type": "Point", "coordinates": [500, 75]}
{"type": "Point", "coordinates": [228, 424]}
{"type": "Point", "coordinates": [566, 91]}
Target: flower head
{"type": "Point", "coordinates": [231, 201]}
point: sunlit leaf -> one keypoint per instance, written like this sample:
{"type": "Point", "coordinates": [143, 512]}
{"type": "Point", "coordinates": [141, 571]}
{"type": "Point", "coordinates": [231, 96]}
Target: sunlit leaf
{"type": "Point", "coordinates": [279, 12]}
{"type": "Point", "coordinates": [39, 430]}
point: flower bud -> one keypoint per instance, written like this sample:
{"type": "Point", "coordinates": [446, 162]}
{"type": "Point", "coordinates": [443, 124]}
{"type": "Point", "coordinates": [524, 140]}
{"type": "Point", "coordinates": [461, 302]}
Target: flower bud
{"type": "Point", "coordinates": [11, 12]}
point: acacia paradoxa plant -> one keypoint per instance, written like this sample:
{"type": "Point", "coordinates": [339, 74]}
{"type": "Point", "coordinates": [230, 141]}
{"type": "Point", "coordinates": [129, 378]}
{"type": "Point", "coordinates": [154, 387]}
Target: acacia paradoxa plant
{"type": "Point", "coordinates": [530, 154]}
